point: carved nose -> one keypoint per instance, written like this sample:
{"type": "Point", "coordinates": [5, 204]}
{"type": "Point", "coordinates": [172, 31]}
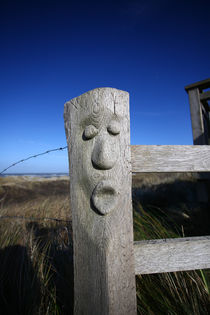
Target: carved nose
{"type": "Point", "coordinates": [104, 155]}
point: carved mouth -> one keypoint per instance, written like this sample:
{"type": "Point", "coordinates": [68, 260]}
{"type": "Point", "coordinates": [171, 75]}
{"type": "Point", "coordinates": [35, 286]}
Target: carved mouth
{"type": "Point", "coordinates": [104, 197]}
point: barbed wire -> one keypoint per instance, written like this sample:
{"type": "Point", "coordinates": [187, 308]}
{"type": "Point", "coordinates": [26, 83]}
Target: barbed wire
{"type": "Point", "coordinates": [32, 218]}
{"type": "Point", "coordinates": [32, 156]}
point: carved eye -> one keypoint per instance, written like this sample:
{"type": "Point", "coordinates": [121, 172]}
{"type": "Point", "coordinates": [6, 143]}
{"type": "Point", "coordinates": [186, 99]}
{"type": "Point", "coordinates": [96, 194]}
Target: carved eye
{"type": "Point", "coordinates": [114, 128]}
{"type": "Point", "coordinates": [90, 132]}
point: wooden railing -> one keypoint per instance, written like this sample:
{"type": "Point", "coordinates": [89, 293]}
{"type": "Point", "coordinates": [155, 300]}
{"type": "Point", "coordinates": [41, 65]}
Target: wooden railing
{"type": "Point", "coordinates": [167, 255]}
{"type": "Point", "coordinates": [170, 158]}
{"type": "Point", "coordinates": [171, 254]}
{"type": "Point", "coordinates": [105, 257]}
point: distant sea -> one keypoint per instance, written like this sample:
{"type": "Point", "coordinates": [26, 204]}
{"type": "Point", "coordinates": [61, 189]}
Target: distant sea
{"type": "Point", "coordinates": [44, 175]}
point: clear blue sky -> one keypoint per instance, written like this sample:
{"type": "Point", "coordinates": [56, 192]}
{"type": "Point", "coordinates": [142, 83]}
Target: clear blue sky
{"type": "Point", "coordinates": [52, 51]}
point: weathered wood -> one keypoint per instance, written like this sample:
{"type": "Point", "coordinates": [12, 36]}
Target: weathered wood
{"type": "Point", "coordinates": [204, 84]}
{"type": "Point", "coordinates": [196, 117]}
{"type": "Point", "coordinates": [197, 97]}
{"type": "Point", "coordinates": [168, 255]}
{"type": "Point", "coordinates": [204, 98]}
{"type": "Point", "coordinates": [170, 158]}
{"type": "Point", "coordinates": [98, 133]}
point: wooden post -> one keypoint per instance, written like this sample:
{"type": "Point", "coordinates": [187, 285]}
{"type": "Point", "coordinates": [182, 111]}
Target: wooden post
{"type": "Point", "coordinates": [97, 127]}
{"type": "Point", "coordinates": [196, 117]}
{"type": "Point", "coordinates": [199, 111]}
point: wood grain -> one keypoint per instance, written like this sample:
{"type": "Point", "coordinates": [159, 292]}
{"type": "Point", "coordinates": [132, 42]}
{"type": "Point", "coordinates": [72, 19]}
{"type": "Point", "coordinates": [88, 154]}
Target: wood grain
{"type": "Point", "coordinates": [196, 117]}
{"type": "Point", "coordinates": [97, 127]}
{"type": "Point", "coordinates": [170, 158]}
{"type": "Point", "coordinates": [197, 98]}
{"type": "Point", "coordinates": [169, 255]}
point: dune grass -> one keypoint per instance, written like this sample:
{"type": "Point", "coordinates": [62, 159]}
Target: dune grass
{"type": "Point", "coordinates": [36, 260]}
{"type": "Point", "coordinates": [168, 293]}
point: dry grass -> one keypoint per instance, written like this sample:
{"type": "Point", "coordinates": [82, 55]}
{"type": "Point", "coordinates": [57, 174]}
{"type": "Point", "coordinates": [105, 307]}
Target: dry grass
{"type": "Point", "coordinates": [35, 197]}
{"type": "Point", "coordinates": [36, 252]}
{"type": "Point", "coordinates": [36, 246]}
{"type": "Point", "coordinates": [183, 197]}
{"type": "Point", "coordinates": [151, 179]}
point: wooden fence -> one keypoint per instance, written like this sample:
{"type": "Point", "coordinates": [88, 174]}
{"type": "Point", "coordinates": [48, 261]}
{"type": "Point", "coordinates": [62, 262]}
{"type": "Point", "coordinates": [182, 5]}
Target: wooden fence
{"type": "Point", "coordinates": [101, 162]}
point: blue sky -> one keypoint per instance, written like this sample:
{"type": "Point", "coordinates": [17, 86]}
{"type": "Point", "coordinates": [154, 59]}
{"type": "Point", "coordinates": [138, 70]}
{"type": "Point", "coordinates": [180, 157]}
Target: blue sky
{"type": "Point", "coordinates": [52, 51]}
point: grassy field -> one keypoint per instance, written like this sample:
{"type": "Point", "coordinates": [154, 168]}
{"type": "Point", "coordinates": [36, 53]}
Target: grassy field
{"type": "Point", "coordinates": [36, 266]}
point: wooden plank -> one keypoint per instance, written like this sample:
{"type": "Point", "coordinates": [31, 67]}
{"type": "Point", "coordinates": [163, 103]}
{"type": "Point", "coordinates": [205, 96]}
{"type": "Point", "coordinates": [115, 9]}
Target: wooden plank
{"type": "Point", "coordinates": [200, 132]}
{"type": "Point", "coordinates": [204, 84]}
{"type": "Point", "coordinates": [98, 135]}
{"type": "Point", "coordinates": [170, 158]}
{"type": "Point", "coordinates": [170, 255]}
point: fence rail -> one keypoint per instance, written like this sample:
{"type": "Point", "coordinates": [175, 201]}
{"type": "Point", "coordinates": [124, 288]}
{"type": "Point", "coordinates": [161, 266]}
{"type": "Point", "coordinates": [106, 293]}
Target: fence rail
{"type": "Point", "coordinates": [168, 255]}
{"type": "Point", "coordinates": [170, 158]}
{"type": "Point", "coordinates": [159, 158]}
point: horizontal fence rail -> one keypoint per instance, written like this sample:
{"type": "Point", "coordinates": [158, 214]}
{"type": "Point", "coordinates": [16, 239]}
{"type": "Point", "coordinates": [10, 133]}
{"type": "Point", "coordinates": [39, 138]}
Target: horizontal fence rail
{"type": "Point", "coordinates": [159, 158]}
{"type": "Point", "coordinates": [170, 158]}
{"type": "Point", "coordinates": [170, 255]}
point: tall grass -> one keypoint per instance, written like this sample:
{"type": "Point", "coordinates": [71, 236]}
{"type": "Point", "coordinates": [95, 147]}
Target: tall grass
{"type": "Point", "coordinates": [168, 293]}
{"type": "Point", "coordinates": [36, 269]}
{"type": "Point", "coordinates": [36, 259]}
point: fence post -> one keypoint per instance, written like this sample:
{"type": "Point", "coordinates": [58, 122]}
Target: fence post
{"type": "Point", "coordinates": [97, 126]}
{"type": "Point", "coordinates": [196, 117]}
{"type": "Point", "coordinates": [199, 111]}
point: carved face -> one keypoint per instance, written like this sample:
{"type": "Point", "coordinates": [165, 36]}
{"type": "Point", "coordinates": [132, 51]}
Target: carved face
{"type": "Point", "coordinates": [100, 143]}
{"type": "Point", "coordinates": [99, 133]}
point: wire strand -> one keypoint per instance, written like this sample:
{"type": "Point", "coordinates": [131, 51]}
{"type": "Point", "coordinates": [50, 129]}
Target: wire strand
{"type": "Point", "coordinates": [32, 218]}
{"type": "Point", "coordinates": [33, 156]}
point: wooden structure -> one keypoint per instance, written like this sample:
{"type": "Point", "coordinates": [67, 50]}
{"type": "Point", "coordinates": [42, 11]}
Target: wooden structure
{"type": "Point", "coordinates": [105, 257]}
{"type": "Point", "coordinates": [199, 109]}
